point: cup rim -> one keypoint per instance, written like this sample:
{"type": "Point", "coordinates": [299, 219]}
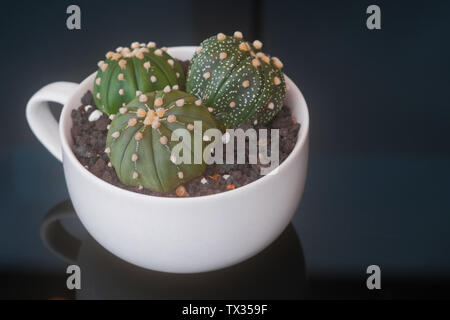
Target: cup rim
{"type": "Point", "coordinates": [68, 152]}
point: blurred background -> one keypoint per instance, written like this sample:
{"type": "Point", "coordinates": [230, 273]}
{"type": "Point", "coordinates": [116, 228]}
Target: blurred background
{"type": "Point", "coordinates": [378, 186]}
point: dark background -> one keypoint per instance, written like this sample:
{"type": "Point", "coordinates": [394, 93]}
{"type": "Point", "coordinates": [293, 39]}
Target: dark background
{"type": "Point", "coordinates": [378, 187]}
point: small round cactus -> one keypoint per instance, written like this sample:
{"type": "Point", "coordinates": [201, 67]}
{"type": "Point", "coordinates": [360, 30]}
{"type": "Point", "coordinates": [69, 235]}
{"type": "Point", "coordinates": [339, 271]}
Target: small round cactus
{"type": "Point", "coordinates": [236, 80]}
{"type": "Point", "coordinates": [139, 139]}
{"type": "Point", "coordinates": [128, 72]}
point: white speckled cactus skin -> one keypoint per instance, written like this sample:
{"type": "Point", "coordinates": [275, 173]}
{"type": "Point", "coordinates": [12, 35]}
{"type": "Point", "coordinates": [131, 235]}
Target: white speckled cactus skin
{"type": "Point", "coordinates": [138, 142]}
{"type": "Point", "coordinates": [128, 72]}
{"type": "Point", "coordinates": [236, 81]}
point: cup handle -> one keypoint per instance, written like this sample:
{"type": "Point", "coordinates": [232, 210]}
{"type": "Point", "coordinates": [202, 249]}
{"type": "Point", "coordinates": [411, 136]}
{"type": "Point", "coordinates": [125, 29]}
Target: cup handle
{"type": "Point", "coordinates": [40, 119]}
{"type": "Point", "coordinates": [55, 237]}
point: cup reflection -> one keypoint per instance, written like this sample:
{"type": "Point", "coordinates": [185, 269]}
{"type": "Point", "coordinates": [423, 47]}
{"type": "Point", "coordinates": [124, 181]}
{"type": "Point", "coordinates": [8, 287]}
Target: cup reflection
{"type": "Point", "coordinates": [278, 272]}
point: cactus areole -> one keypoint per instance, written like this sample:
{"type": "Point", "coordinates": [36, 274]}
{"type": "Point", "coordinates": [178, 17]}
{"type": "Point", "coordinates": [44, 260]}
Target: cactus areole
{"type": "Point", "coordinates": [128, 72]}
{"type": "Point", "coordinates": [139, 142]}
{"type": "Point", "coordinates": [237, 80]}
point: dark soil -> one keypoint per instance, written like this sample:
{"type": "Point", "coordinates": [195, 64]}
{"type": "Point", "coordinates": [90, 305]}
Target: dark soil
{"type": "Point", "coordinates": [89, 145]}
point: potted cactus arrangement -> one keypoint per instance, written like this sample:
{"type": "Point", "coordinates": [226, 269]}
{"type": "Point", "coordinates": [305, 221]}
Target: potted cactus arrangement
{"type": "Point", "coordinates": [128, 128]}
{"type": "Point", "coordinates": [185, 159]}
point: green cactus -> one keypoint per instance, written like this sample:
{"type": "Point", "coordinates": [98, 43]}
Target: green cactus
{"type": "Point", "coordinates": [236, 80]}
{"type": "Point", "coordinates": [126, 73]}
{"type": "Point", "coordinates": [139, 139]}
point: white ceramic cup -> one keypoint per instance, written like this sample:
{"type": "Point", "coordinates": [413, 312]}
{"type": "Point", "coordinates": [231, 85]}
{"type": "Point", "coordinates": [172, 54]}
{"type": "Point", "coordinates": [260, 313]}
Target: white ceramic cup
{"type": "Point", "coordinates": [181, 235]}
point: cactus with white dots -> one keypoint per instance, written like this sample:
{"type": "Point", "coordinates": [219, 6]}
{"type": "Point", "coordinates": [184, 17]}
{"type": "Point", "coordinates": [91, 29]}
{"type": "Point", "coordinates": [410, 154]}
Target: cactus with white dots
{"type": "Point", "coordinates": [139, 139]}
{"type": "Point", "coordinates": [128, 72]}
{"type": "Point", "coordinates": [236, 80]}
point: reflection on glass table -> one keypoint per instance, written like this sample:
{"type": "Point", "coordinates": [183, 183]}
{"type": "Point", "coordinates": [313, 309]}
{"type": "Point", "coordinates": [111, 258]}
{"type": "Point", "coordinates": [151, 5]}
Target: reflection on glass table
{"type": "Point", "coordinates": [278, 272]}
